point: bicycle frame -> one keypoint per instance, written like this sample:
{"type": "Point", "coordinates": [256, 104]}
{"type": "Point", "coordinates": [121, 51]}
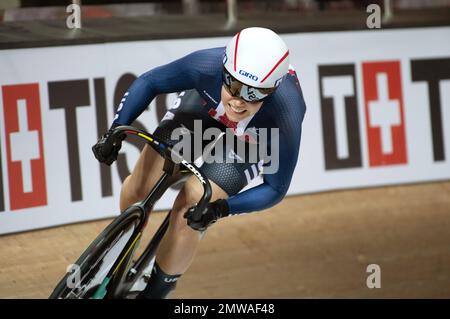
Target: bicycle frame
{"type": "Point", "coordinates": [175, 168]}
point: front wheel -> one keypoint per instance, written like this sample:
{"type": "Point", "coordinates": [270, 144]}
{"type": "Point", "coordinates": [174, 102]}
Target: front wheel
{"type": "Point", "coordinates": [88, 277]}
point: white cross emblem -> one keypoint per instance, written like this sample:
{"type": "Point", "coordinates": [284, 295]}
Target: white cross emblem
{"type": "Point", "coordinates": [384, 113]}
{"type": "Point", "coordinates": [24, 146]}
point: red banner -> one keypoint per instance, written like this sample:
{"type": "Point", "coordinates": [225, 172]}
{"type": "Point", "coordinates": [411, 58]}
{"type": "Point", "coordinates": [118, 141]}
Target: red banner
{"type": "Point", "coordinates": [23, 126]}
{"type": "Point", "coordinates": [383, 100]}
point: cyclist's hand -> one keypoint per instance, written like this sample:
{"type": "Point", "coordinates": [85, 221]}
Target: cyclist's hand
{"type": "Point", "coordinates": [107, 147]}
{"type": "Point", "coordinates": [209, 216]}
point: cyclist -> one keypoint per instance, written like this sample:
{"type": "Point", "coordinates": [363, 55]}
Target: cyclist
{"type": "Point", "coordinates": [245, 87]}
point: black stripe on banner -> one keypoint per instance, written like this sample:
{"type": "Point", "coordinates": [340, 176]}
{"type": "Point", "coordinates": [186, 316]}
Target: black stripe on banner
{"type": "Point", "coordinates": [102, 127]}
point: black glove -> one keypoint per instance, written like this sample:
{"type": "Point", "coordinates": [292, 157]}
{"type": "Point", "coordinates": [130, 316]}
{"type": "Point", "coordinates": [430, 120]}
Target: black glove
{"type": "Point", "coordinates": [210, 215]}
{"type": "Point", "coordinates": [107, 147]}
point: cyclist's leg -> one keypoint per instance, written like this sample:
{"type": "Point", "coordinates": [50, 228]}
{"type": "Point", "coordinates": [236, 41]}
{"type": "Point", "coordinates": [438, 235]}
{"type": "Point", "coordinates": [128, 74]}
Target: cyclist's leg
{"type": "Point", "coordinates": [178, 247]}
{"type": "Point", "coordinates": [179, 244]}
{"type": "Point", "coordinates": [145, 174]}
{"type": "Point", "coordinates": [227, 178]}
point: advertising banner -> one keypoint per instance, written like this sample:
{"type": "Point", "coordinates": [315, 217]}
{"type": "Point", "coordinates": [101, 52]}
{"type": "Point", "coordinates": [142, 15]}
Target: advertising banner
{"type": "Point", "coordinates": [378, 113]}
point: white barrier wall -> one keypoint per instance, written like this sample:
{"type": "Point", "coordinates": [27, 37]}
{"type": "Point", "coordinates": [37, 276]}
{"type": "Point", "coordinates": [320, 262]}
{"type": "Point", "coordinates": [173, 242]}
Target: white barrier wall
{"type": "Point", "coordinates": [378, 113]}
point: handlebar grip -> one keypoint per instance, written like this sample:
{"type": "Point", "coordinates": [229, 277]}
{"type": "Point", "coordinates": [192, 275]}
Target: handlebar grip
{"type": "Point", "coordinates": [198, 211]}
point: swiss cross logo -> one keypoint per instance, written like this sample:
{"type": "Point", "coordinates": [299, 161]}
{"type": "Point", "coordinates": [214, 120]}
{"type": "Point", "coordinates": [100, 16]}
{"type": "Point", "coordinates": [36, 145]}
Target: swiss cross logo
{"type": "Point", "coordinates": [24, 146]}
{"type": "Point", "coordinates": [383, 114]}
{"type": "Point", "coordinates": [383, 103]}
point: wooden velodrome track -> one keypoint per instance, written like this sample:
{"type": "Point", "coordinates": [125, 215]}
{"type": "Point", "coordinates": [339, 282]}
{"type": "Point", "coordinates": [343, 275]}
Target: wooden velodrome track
{"type": "Point", "coordinates": [309, 246]}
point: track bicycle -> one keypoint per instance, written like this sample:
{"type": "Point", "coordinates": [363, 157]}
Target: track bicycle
{"type": "Point", "coordinates": [107, 269]}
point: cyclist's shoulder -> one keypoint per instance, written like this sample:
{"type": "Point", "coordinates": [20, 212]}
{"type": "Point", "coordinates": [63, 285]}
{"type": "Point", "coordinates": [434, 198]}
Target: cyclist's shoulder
{"type": "Point", "coordinates": [208, 54]}
{"type": "Point", "coordinates": [289, 95]}
{"type": "Point", "coordinates": [286, 108]}
{"type": "Point", "coordinates": [206, 62]}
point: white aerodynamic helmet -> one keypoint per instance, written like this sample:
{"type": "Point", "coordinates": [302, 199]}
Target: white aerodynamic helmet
{"type": "Point", "coordinates": [255, 62]}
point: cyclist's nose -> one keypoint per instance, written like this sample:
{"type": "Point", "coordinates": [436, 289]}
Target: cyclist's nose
{"type": "Point", "coordinates": [239, 102]}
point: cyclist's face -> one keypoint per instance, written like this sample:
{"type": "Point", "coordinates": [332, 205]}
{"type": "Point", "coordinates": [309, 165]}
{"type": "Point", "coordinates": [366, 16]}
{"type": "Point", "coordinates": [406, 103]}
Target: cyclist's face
{"type": "Point", "coordinates": [236, 108]}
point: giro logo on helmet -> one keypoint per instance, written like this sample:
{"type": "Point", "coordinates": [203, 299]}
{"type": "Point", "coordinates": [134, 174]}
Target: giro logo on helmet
{"type": "Point", "coordinates": [248, 75]}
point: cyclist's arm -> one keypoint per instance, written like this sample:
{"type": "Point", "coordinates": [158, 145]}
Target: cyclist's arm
{"type": "Point", "coordinates": [276, 185]}
{"type": "Point", "coordinates": [272, 191]}
{"type": "Point", "coordinates": [179, 75]}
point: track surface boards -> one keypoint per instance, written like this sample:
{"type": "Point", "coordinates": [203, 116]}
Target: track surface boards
{"type": "Point", "coordinates": [309, 246]}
